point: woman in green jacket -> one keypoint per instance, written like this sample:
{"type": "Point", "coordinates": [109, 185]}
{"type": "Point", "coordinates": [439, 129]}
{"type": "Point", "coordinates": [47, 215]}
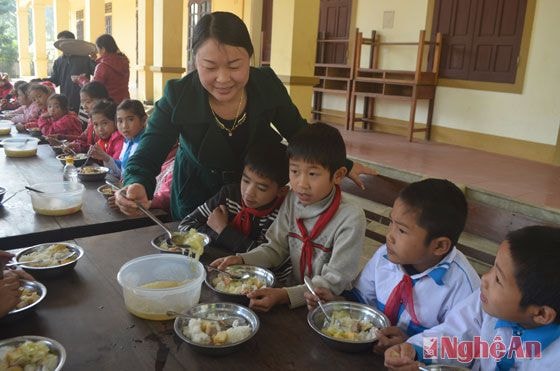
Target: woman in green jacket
{"type": "Point", "coordinates": [218, 112]}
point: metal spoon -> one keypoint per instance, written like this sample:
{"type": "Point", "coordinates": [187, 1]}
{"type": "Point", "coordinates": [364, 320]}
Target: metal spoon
{"type": "Point", "coordinates": [22, 145]}
{"type": "Point", "coordinates": [226, 321]}
{"type": "Point", "coordinates": [87, 157]}
{"type": "Point", "coordinates": [235, 276]}
{"type": "Point", "coordinates": [309, 285]}
{"type": "Point", "coordinates": [33, 189]}
{"type": "Point", "coordinates": [172, 238]}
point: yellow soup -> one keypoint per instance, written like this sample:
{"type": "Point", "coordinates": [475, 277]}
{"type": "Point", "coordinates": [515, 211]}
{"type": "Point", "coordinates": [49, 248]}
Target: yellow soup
{"type": "Point", "coordinates": [5, 131]}
{"type": "Point", "coordinates": [20, 153]}
{"type": "Point", "coordinates": [58, 212]}
{"type": "Point", "coordinates": [162, 284]}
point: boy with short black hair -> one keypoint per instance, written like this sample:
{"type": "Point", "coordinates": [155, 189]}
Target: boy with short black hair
{"type": "Point", "coordinates": [418, 275]}
{"type": "Point", "coordinates": [239, 215]}
{"type": "Point", "coordinates": [317, 228]}
{"type": "Point", "coordinates": [516, 310]}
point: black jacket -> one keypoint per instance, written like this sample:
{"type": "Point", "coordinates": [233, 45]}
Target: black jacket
{"type": "Point", "coordinates": [63, 68]}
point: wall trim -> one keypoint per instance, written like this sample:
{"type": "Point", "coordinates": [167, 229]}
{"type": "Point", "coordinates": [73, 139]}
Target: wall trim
{"type": "Point", "coordinates": [540, 152]}
{"type": "Point", "coordinates": [298, 80]}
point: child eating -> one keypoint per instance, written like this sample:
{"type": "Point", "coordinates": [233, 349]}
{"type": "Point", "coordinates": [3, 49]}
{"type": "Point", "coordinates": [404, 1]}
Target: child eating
{"type": "Point", "coordinates": [512, 322]}
{"type": "Point", "coordinates": [58, 121]}
{"type": "Point", "coordinates": [110, 141]}
{"type": "Point", "coordinates": [316, 228]}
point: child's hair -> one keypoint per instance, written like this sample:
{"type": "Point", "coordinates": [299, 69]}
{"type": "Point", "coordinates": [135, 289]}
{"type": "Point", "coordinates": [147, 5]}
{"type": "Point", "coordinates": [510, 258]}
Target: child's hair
{"type": "Point", "coordinates": [62, 101]}
{"type": "Point", "coordinates": [134, 106]}
{"type": "Point", "coordinates": [65, 35]}
{"type": "Point", "coordinates": [95, 90]}
{"type": "Point", "coordinates": [105, 107]}
{"type": "Point", "coordinates": [319, 144]}
{"type": "Point", "coordinates": [441, 206]}
{"type": "Point", "coordinates": [41, 88]}
{"type": "Point", "coordinates": [24, 88]}
{"type": "Point", "coordinates": [18, 83]}
{"type": "Point", "coordinates": [535, 252]}
{"type": "Point", "coordinates": [269, 161]}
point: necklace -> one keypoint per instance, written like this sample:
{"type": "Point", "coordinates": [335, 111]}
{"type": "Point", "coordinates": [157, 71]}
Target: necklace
{"type": "Point", "coordinates": [236, 123]}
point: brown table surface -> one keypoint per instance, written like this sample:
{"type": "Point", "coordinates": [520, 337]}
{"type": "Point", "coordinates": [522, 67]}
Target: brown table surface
{"type": "Point", "coordinates": [20, 226]}
{"type": "Point", "coordinates": [84, 311]}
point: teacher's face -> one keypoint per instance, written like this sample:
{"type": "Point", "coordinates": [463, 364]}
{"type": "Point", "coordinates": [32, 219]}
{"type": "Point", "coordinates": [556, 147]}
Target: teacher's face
{"type": "Point", "coordinates": [223, 70]}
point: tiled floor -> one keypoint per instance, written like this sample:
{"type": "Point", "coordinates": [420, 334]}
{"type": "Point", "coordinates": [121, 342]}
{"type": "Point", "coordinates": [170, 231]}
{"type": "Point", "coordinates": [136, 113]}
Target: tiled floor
{"type": "Point", "coordinates": [526, 181]}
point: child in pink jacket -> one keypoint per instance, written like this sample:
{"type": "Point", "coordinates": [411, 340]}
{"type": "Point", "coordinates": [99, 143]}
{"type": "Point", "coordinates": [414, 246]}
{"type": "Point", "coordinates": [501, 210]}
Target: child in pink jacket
{"type": "Point", "coordinates": [58, 120]}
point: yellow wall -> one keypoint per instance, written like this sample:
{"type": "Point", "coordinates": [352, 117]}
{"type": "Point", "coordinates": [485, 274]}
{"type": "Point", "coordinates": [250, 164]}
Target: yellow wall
{"type": "Point", "coordinates": [532, 115]}
{"type": "Point", "coordinates": [234, 6]}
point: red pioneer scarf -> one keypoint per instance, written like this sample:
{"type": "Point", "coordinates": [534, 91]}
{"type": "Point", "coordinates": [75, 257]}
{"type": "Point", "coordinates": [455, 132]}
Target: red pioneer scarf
{"type": "Point", "coordinates": [305, 261]}
{"type": "Point", "coordinates": [242, 221]}
{"type": "Point", "coordinates": [401, 294]}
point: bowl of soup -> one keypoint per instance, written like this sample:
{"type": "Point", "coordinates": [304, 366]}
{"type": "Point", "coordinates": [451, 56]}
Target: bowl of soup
{"type": "Point", "coordinates": [20, 147]}
{"type": "Point", "coordinates": [58, 198]}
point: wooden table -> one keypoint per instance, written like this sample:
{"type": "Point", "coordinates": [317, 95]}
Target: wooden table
{"type": "Point", "coordinates": [20, 226]}
{"type": "Point", "coordinates": [85, 312]}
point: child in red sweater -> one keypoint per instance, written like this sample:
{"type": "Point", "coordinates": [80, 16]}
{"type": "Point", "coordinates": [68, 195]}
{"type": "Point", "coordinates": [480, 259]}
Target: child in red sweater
{"type": "Point", "coordinates": [58, 120]}
{"type": "Point", "coordinates": [110, 142]}
{"type": "Point", "coordinates": [38, 94]}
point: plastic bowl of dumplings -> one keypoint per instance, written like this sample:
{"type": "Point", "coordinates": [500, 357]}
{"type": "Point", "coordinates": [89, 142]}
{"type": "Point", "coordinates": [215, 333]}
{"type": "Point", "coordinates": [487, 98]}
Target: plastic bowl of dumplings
{"type": "Point", "coordinates": [219, 338]}
{"type": "Point", "coordinates": [57, 199]}
{"type": "Point", "coordinates": [353, 328]}
{"type": "Point", "coordinates": [20, 147]}
{"type": "Point", "coordinates": [155, 284]}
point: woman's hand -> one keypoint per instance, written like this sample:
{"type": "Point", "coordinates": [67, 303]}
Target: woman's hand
{"type": "Point", "coordinates": [359, 169]}
{"type": "Point", "coordinates": [223, 263]}
{"type": "Point", "coordinates": [125, 198]}
{"type": "Point", "coordinates": [387, 337]}
{"type": "Point", "coordinates": [263, 300]}
{"type": "Point", "coordinates": [218, 220]}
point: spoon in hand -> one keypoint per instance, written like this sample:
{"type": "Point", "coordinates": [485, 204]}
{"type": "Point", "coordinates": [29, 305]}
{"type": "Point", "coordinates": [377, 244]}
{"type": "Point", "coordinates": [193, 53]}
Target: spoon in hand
{"type": "Point", "coordinates": [309, 285]}
{"type": "Point", "coordinates": [242, 276]}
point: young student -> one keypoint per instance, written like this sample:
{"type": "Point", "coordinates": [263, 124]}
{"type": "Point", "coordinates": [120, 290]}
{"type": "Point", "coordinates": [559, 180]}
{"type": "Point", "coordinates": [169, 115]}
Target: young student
{"type": "Point", "coordinates": [131, 121]}
{"type": "Point", "coordinates": [6, 86]}
{"type": "Point", "coordinates": [19, 108]}
{"type": "Point", "coordinates": [515, 312]}
{"type": "Point", "coordinates": [39, 94]}
{"type": "Point", "coordinates": [239, 215]}
{"type": "Point", "coordinates": [90, 94]}
{"type": "Point", "coordinates": [58, 121]}
{"type": "Point", "coordinates": [30, 110]}
{"type": "Point", "coordinates": [110, 141]}
{"type": "Point", "coordinates": [316, 228]}
{"type": "Point", "coordinates": [9, 102]}
{"type": "Point", "coordinates": [419, 274]}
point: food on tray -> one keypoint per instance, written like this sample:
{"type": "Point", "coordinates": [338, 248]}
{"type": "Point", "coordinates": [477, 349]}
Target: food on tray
{"type": "Point", "coordinates": [29, 356]}
{"type": "Point", "coordinates": [50, 256]}
{"type": "Point", "coordinates": [27, 297]}
{"type": "Point", "coordinates": [207, 332]}
{"type": "Point", "coordinates": [344, 327]}
{"type": "Point", "coordinates": [192, 238]}
{"type": "Point", "coordinates": [225, 283]}
{"type": "Point", "coordinates": [91, 170]}
{"type": "Point", "coordinates": [106, 190]}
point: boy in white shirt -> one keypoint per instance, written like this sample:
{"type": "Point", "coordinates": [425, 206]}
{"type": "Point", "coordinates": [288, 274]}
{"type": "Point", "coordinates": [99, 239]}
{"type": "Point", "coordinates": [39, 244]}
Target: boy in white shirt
{"type": "Point", "coordinates": [419, 274]}
{"type": "Point", "coordinates": [511, 323]}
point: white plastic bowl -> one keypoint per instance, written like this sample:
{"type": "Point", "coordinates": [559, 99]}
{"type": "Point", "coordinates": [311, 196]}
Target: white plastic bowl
{"type": "Point", "coordinates": [57, 199]}
{"type": "Point", "coordinates": [153, 303]}
{"type": "Point", "coordinates": [5, 127]}
{"type": "Point", "coordinates": [20, 147]}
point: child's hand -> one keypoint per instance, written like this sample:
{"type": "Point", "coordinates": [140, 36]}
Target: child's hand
{"type": "Point", "coordinates": [263, 300]}
{"type": "Point", "coordinates": [46, 115]}
{"type": "Point", "coordinates": [388, 337]}
{"type": "Point", "coordinates": [9, 294]}
{"type": "Point", "coordinates": [401, 357]}
{"type": "Point", "coordinates": [98, 153]}
{"type": "Point", "coordinates": [223, 263]}
{"type": "Point", "coordinates": [218, 220]}
{"type": "Point", "coordinates": [21, 128]}
{"type": "Point", "coordinates": [5, 257]}
{"type": "Point", "coordinates": [323, 294]}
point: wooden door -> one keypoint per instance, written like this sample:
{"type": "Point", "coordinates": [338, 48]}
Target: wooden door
{"type": "Point", "coordinates": [334, 24]}
{"type": "Point", "coordinates": [266, 32]}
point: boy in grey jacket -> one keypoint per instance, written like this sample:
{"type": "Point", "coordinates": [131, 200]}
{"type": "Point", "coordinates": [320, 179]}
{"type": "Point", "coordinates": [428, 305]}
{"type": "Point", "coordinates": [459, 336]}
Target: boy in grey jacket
{"type": "Point", "coordinates": [317, 228]}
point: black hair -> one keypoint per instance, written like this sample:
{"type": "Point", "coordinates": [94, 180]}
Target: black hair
{"type": "Point", "coordinates": [24, 88]}
{"type": "Point", "coordinates": [535, 252]}
{"type": "Point", "coordinates": [108, 43]}
{"type": "Point", "coordinates": [134, 106]}
{"type": "Point", "coordinates": [269, 161]}
{"type": "Point", "coordinates": [225, 27]}
{"type": "Point", "coordinates": [41, 88]}
{"type": "Point", "coordinates": [18, 83]}
{"type": "Point", "coordinates": [65, 35]}
{"type": "Point", "coordinates": [95, 90]}
{"type": "Point", "coordinates": [62, 101]}
{"type": "Point", "coordinates": [441, 206]}
{"type": "Point", "coordinates": [105, 107]}
{"type": "Point", "coordinates": [319, 144]}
